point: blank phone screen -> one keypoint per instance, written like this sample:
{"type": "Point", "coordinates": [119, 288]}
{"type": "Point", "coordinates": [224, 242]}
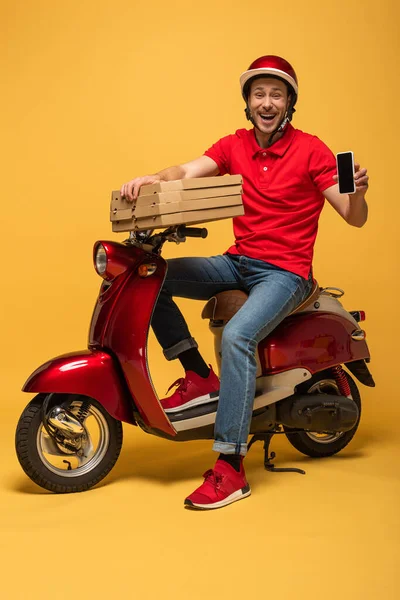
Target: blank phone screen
{"type": "Point", "coordinates": [345, 173]}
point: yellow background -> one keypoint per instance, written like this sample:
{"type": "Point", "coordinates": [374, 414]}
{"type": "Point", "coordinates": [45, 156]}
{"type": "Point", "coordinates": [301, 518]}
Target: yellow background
{"type": "Point", "coordinates": [93, 94]}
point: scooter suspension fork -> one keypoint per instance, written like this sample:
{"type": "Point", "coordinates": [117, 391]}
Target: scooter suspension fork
{"type": "Point", "coordinates": [341, 381]}
{"type": "Point", "coordinates": [83, 411]}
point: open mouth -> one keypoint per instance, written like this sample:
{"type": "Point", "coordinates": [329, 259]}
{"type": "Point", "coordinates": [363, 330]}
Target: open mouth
{"type": "Point", "coordinates": [267, 118]}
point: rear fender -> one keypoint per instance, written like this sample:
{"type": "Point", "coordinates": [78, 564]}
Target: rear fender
{"type": "Point", "coordinates": [90, 373]}
{"type": "Point", "coordinates": [315, 341]}
{"type": "Point", "coordinates": [360, 370]}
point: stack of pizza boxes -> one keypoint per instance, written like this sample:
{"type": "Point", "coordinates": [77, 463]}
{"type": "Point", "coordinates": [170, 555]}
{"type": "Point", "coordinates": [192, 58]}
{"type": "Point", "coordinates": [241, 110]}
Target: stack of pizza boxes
{"type": "Point", "coordinates": [184, 201]}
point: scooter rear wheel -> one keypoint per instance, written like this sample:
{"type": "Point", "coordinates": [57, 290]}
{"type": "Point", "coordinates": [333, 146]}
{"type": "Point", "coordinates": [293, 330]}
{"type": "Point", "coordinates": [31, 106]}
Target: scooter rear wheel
{"type": "Point", "coordinates": [79, 463]}
{"type": "Point", "coordinates": [319, 445]}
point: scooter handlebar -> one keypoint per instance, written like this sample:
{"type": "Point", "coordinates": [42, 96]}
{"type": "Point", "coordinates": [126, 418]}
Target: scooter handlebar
{"type": "Point", "coordinates": [184, 231]}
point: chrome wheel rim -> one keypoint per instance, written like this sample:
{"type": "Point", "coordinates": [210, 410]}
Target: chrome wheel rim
{"type": "Point", "coordinates": [93, 450]}
{"type": "Point", "coordinates": [323, 387]}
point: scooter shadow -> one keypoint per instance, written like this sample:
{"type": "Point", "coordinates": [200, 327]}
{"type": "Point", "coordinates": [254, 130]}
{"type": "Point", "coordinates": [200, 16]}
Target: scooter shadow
{"type": "Point", "coordinates": [28, 487]}
{"type": "Point", "coordinates": [165, 464]}
{"type": "Point", "coordinates": [181, 462]}
{"type": "Point", "coordinates": [169, 463]}
{"type": "Point", "coordinates": [152, 462]}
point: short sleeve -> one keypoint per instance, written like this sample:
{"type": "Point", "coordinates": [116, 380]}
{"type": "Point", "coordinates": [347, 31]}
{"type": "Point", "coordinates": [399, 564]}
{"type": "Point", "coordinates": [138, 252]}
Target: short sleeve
{"type": "Point", "coordinates": [322, 164]}
{"type": "Point", "coordinates": [220, 152]}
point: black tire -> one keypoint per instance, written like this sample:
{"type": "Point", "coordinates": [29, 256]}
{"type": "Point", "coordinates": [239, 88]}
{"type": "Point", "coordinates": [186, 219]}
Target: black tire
{"type": "Point", "coordinates": [34, 462]}
{"type": "Point", "coordinates": [309, 445]}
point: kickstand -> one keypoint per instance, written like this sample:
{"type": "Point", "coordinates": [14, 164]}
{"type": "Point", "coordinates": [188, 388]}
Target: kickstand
{"type": "Point", "coordinates": [269, 466]}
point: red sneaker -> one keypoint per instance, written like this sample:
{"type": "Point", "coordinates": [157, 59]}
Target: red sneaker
{"type": "Point", "coordinates": [192, 391]}
{"type": "Point", "coordinates": [222, 485]}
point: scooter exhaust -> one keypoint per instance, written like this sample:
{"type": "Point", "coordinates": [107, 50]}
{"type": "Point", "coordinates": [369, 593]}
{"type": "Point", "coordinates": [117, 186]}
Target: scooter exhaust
{"type": "Point", "coordinates": [318, 412]}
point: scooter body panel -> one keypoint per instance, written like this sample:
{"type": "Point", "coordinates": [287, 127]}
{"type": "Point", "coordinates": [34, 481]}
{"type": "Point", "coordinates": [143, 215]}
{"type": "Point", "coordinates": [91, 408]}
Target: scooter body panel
{"type": "Point", "coordinates": [197, 423]}
{"type": "Point", "coordinates": [314, 341]}
{"type": "Point", "coordinates": [121, 321]}
{"type": "Point", "coordinates": [123, 260]}
{"type": "Point", "coordinates": [90, 373]}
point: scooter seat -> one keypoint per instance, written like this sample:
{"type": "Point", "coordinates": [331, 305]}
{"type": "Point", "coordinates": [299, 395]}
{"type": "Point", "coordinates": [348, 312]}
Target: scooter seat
{"type": "Point", "coordinates": [224, 305]}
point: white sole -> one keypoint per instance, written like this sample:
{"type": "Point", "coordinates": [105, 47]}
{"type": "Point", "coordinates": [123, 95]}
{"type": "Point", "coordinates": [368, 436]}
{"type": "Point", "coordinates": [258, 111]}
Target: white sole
{"type": "Point", "coordinates": [238, 495]}
{"type": "Point", "coordinates": [191, 403]}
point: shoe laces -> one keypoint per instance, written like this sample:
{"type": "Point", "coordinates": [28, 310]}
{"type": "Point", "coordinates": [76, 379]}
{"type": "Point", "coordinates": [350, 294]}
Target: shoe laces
{"type": "Point", "coordinates": [214, 478]}
{"type": "Point", "coordinates": [181, 383]}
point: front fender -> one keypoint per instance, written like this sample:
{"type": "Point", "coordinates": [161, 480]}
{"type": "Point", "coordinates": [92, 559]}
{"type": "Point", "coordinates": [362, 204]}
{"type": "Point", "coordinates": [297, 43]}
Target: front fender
{"type": "Point", "coordinates": [89, 373]}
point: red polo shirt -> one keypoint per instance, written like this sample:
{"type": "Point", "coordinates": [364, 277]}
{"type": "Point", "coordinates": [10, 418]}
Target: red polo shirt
{"type": "Point", "coordinates": [282, 194]}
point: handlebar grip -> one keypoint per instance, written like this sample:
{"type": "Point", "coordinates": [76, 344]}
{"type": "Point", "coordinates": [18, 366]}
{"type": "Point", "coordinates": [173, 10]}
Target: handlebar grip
{"type": "Point", "coordinates": [184, 231]}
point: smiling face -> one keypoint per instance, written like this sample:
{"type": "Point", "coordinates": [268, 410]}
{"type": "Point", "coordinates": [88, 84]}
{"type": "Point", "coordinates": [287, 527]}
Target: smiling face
{"type": "Point", "coordinates": [268, 101]}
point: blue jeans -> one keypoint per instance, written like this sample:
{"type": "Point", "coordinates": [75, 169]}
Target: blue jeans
{"type": "Point", "coordinates": [273, 294]}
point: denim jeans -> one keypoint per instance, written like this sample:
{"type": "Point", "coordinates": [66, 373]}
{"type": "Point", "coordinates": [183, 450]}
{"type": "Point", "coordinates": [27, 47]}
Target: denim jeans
{"type": "Point", "coordinates": [273, 294]}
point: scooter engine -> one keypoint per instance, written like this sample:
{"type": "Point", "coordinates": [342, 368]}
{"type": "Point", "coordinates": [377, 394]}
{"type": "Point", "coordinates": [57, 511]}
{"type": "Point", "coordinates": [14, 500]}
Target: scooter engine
{"type": "Point", "coordinates": [318, 412]}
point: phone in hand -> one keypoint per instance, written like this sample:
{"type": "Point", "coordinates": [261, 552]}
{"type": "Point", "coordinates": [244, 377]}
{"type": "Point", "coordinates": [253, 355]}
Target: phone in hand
{"type": "Point", "coordinates": [345, 170]}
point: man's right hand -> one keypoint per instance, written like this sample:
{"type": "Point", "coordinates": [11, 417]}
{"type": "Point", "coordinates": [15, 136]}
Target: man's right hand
{"type": "Point", "coordinates": [130, 190]}
{"type": "Point", "coordinates": [204, 166]}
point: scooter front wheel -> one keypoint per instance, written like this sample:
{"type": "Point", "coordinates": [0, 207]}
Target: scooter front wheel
{"type": "Point", "coordinates": [76, 446]}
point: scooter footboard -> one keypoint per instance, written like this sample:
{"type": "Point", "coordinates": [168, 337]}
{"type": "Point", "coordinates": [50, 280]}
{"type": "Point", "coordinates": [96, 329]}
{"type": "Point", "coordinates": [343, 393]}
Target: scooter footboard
{"type": "Point", "coordinates": [90, 373]}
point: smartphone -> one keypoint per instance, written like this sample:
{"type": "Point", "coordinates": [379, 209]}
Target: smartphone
{"type": "Point", "coordinates": [345, 169]}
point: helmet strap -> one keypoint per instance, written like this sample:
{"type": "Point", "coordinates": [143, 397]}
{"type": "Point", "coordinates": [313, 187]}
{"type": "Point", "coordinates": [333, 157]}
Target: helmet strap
{"type": "Point", "coordinates": [279, 129]}
{"type": "Point", "coordinates": [286, 119]}
{"type": "Point", "coordinates": [248, 115]}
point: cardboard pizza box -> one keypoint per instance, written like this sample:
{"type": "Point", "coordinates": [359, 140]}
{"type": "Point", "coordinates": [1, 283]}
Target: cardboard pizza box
{"type": "Point", "coordinates": [137, 211]}
{"type": "Point", "coordinates": [119, 203]}
{"type": "Point", "coordinates": [194, 183]}
{"type": "Point", "coordinates": [169, 203]}
{"type": "Point", "coordinates": [187, 217]}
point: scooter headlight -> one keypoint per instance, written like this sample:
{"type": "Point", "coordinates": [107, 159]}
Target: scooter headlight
{"type": "Point", "coordinates": [101, 260]}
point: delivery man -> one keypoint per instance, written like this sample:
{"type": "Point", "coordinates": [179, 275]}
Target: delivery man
{"type": "Point", "coordinates": [287, 175]}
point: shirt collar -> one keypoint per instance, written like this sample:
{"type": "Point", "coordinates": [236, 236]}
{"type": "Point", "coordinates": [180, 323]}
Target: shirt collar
{"type": "Point", "coordinates": [279, 148]}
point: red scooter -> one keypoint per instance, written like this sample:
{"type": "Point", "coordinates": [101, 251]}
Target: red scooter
{"type": "Point", "coordinates": [70, 435]}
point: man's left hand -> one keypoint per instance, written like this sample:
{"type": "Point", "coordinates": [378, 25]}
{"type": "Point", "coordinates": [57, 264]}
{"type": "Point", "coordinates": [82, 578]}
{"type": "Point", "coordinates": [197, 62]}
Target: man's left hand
{"type": "Point", "coordinates": [360, 179]}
